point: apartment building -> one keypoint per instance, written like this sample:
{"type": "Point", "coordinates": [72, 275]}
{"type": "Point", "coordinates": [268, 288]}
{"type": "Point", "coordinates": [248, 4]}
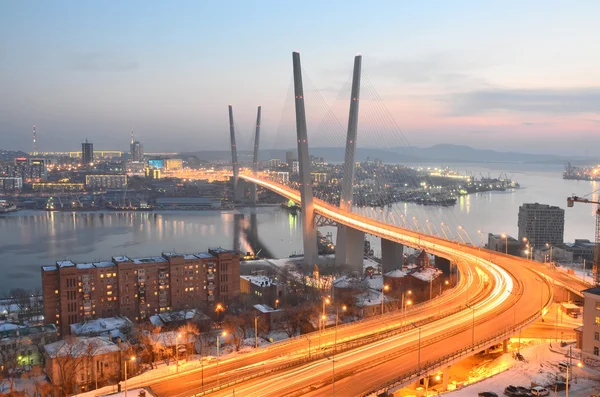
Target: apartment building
{"type": "Point", "coordinates": [590, 347]}
{"type": "Point", "coordinates": [138, 288]}
{"type": "Point", "coordinates": [541, 224]}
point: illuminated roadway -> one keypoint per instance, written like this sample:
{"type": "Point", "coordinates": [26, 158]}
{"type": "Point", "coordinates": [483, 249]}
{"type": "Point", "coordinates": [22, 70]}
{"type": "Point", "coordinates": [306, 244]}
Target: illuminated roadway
{"type": "Point", "coordinates": [502, 293]}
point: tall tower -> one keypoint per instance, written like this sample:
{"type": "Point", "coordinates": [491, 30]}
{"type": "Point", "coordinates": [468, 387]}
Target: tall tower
{"type": "Point", "coordinates": [350, 242]}
{"type": "Point", "coordinates": [87, 153]}
{"type": "Point", "coordinates": [253, 195]}
{"type": "Point", "coordinates": [309, 230]}
{"type": "Point", "coordinates": [238, 191]}
{"type": "Point", "coordinates": [35, 148]}
{"type": "Point", "coordinates": [132, 137]}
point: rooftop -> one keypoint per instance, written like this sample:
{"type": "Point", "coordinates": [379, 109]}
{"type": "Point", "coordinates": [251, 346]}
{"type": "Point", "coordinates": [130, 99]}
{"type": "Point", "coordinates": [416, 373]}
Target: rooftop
{"type": "Point", "coordinates": [266, 309]}
{"type": "Point", "coordinates": [85, 266]}
{"type": "Point", "coordinates": [595, 290]}
{"type": "Point", "coordinates": [65, 264]}
{"type": "Point", "coordinates": [165, 318]}
{"type": "Point", "coordinates": [260, 281]}
{"type": "Point", "coordinates": [119, 259]}
{"type": "Point", "coordinates": [104, 264]}
{"type": "Point", "coordinates": [397, 273]}
{"type": "Point", "coordinates": [19, 331]}
{"type": "Point", "coordinates": [150, 259]}
{"type": "Point", "coordinates": [80, 347]}
{"type": "Point", "coordinates": [99, 326]}
{"type": "Point", "coordinates": [427, 274]}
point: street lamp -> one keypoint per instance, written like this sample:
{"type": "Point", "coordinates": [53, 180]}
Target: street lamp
{"type": "Point", "coordinates": [419, 354]}
{"type": "Point", "coordinates": [132, 358]}
{"type": "Point", "coordinates": [480, 232]}
{"type": "Point", "coordinates": [218, 309]}
{"type": "Point", "coordinates": [256, 331]}
{"type": "Point", "coordinates": [337, 316]}
{"type": "Point", "coordinates": [384, 288]}
{"type": "Point", "coordinates": [218, 343]}
{"type": "Point", "coordinates": [505, 237]}
{"type": "Point", "coordinates": [579, 364]}
{"type": "Point", "coordinates": [276, 303]}
{"type": "Point", "coordinates": [446, 282]}
{"type": "Point", "coordinates": [550, 245]}
{"type": "Point", "coordinates": [473, 327]}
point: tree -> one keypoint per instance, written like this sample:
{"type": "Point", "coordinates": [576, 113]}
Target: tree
{"type": "Point", "coordinates": [11, 363]}
{"type": "Point", "coordinates": [234, 326]}
{"type": "Point", "coordinates": [290, 320]}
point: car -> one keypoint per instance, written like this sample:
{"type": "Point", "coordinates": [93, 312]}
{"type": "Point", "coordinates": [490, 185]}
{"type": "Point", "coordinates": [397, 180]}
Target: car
{"type": "Point", "coordinates": [487, 394]}
{"type": "Point", "coordinates": [511, 391]}
{"type": "Point", "coordinates": [540, 391]}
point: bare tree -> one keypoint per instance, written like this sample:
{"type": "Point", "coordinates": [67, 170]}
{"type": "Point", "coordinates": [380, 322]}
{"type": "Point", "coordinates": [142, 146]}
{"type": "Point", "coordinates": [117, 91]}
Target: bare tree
{"type": "Point", "coordinates": [235, 327]}
{"type": "Point", "coordinates": [10, 363]}
{"type": "Point", "coordinates": [290, 320]}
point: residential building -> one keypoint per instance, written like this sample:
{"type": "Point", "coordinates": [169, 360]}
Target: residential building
{"type": "Point", "coordinates": [261, 289]}
{"type": "Point", "coordinates": [153, 173]}
{"type": "Point", "coordinates": [109, 327]}
{"type": "Point", "coordinates": [135, 168]}
{"type": "Point", "coordinates": [268, 315]}
{"type": "Point", "coordinates": [138, 288]}
{"type": "Point", "coordinates": [25, 344]}
{"type": "Point", "coordinates": [275, 163]}
{"type": "Point", "coordinates": [105, 181]}
{"type": "Point", "coordinates": [290, 157]}
{"type": "Point", "coordinates": [295, 168]}
{"type": "Point", "coordinates": [541, 224]}
{"type": "Point", "coordinates": [498, 243]}
{"type": "Point", "coordinates": [590, 339]}
{"type": "Point", "coordinates": [174, 320]}
{"type": "Point", "coordinates": [319, 177]}
{"type": "Point", "coordinates": [87, 153]}
{"type": "Point", "coordinates": [78, 364]}
{"type": "Point", "coordinates": [11, 184]}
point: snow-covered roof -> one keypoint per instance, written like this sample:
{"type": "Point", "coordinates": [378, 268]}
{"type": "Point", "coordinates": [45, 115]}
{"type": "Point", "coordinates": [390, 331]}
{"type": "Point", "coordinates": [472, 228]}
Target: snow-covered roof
{"type": "Point", "coordinates": [80, 347]}
{"type": "Point", "coordinates": [347, 282]}
{"type": "Point", "coordinates": [371, 298]}
{"type": "Point", "coordinates": [65, 264]}
{"type": "Point", "coordinates": [169, 338]}
{"type": "Point", "coordinates": [397, 273]}
{"type": "Point", "coordinates": [99, 326]}
{"type": "Point", "coordinates": [427, 274]}
{"type": "Point", "coordinates": [201, 255]}
{"type": "Point", "coordinates": [150, 259]}
{"type": "Point", "coordinates": [48, 268]}
{"type": "Point", "coordinates": [119, 259]}
{"type": "Point", "coordinates": [376, 282]}
{"type": "Point", "coordinates": [260, 281]}
{"type": "Point", "coordinates": [104, 264]}
{"type": "Point", "coordinates": [162, 319]}
{"type": "Point", "coordinates": [9, 326]}
{"type": "Point", "coordinates": [266, 309]}
{"type": "Point", "coordinates": [85, 266]}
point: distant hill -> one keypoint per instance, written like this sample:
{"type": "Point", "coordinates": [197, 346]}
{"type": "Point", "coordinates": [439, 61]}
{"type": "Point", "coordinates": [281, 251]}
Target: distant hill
{"type": "Point", "coordinates": [442, 153]}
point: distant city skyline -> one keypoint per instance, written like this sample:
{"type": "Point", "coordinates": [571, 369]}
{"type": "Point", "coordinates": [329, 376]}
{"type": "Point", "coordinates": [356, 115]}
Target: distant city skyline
{"type": "Point", "coordinates": [494, 75]}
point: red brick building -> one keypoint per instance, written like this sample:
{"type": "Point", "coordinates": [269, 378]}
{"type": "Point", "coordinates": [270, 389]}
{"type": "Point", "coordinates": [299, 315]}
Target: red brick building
{"type": "Point", "coordinates": [138, 288]}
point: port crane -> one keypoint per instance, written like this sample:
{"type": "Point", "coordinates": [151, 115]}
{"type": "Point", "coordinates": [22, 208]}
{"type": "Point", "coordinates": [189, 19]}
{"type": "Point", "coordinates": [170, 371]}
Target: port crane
{"type": "Point", "coordinates": [596, 266]}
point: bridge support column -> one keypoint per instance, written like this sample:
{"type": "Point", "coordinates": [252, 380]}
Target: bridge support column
{"type": "Point", "coordinates": [234, 159]}
{"type": "Point", "coordinates": [445, 378]}
{"type": "Point", "coordinates": [253, 196]}
{"type": "Point", "coordinates": [392, 255]}
{"type": "Point", "coordinates": [443, 264]}
{"type": "Point", "coordinates": [355, 249]}
{"type": "Point", "coordinates": [238, 220]}
{"type": "Point", "coordinates": [347, 191]}
{"type": "Point", "coordinates": [505, 345]}
{"type": "Point", "coordinates": [309, 231]}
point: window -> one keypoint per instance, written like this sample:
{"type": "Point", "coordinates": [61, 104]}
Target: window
{"type": "Point", "coordinates": [596, 336]}
{"type": "Point", "coordinates": [597, 320]}
{"type": "Point", "coordinates": [597, 305]}
{"type": "Point", "coordinates": [596, 352]}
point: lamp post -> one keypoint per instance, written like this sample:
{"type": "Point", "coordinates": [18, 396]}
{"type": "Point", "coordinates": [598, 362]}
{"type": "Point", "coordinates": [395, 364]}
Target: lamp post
{"type": "Point", "coordinates": [473, 326]}
{"type": "Point", "coordinates": [218, 343]}
{"type": "Point", "coordinates": [276, 303]}
{"type": "Point", "coordinates": [446, 282]}
{"type": "Point", "coordinates": [579, 364]}
{"type": "Point", "coordinates": [419, 351]}
{"type": "Point", "coordinates": [177, 352]}
{"type": "Point", "coordinates": [125, 364]}
{"type": "Point", "coordinates": [505, 237]}
{"type": "Point", "coordinates": [383, 289]}
{"type": "Point", "coordinates": [337, 315]}
{"type": "Point", "coordinates": [256, 332]}
{"type": "Point", "coordinates": [308, 339]}
{"type": "Point", "coordinates": [550, 246]}
{"type": "Point", "coordinates": [480, 232]}
{"type": "Point", "coordinates": [444, 231]}
{"type": "Point", "coordinates": [325, 301]}
{"type": "Point", "coordinates": [218, 309]}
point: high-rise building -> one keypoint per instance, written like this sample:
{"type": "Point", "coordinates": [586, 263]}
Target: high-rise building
{"type": "Point", "coordinates": [295, 168]}
{"type": "Point", "coordinates": [173, 164]}
{"type": "Point", "coordinates": [87, 153]}
{"type": "Point", "coordinates": [105, 181]}
{"type": "Point", "coordinates": [290, 157]}
{"type": "Point", "coordinates": [541, 224]}
{"type": "Point", "coordinates": [138, 287]}
{"type": "Point", "coordinates": [274, 162]}
{"type": "Point", "coordinates": [137, 151]}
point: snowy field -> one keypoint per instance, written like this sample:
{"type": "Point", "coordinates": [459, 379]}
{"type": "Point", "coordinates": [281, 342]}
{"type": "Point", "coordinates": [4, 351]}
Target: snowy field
{"type": "Point", "coordinates": [540, 367]}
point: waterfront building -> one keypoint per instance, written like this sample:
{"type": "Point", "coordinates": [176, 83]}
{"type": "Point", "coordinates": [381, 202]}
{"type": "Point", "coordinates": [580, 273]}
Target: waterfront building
{"type": "Point", "coordinates": [261, 289]}
{"type": "Point", "coordinates": [87, 153]}
{"type": "Point", "coordinates": [138, 287]}
{"type": "Point", "coordinates": [187, 203]}
{"type": "Point", "coordinates": [57, 187]}
{"type": "Point", "coordinates": [541, 224]}
{"type": "Point", "coordinates": [11, 184]}
{"type": "Point", "coordinates": [590, 333]}
{"type": "Point", "coordinates": [105, 181]}
{"type": "Point", "coordinates": [498, 243]}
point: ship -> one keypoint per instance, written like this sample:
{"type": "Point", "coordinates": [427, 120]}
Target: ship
{"type": "Point", "coordinates": [290, 206]}
{"type": "Point", "coordinates": [6, 207]}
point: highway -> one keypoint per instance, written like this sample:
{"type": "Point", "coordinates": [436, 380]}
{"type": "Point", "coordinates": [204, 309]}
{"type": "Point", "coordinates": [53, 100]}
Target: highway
{"type": "Point", "coordinates": [508, 295]}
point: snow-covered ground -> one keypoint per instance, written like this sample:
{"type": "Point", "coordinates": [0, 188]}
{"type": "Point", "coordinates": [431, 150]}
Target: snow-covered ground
{"type": "Point", "coordinates": [540, 367]}
{"type": "Point", "coordinates": [576, 272]}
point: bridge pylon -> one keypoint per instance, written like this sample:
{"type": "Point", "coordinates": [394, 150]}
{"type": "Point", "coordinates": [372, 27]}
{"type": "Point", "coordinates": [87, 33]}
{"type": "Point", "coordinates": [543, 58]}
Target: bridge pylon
{"type": "Point", "coordinates": [253, 195]}
{"type": "Point", "coordinates": [309, 230]}
{"type": "Point", "coordinates": [238, 187]}
{"type": "Point", "coordinates": [349, 247]}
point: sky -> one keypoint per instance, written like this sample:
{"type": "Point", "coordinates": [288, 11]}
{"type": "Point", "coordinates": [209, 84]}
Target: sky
{"type": "Point", "coordinates": [505, 75]}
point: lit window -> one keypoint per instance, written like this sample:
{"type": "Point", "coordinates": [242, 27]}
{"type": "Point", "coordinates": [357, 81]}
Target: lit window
{"type": "Point", "coordinates": [597, 320]}
{"type": "Point", "coordinates": [597, 305]}
{"type": "Point", "coordinates": [108, 292]}
{"type": "Point", "coordinates": [56, 292]}
{"type": "Point", "coordinates": [102, 276]}
{"type": "Point", "coordinates": [114, 274]}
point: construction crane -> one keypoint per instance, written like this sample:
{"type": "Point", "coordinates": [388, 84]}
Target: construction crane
{"type": "Point", "coordinates": [596, 267]}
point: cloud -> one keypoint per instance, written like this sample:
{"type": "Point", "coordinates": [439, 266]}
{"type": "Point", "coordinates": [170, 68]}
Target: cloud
{"type": "Point", "coordinates": [528, 123]}
{"type": "Point", "coordinates": [92, 61]}
{"type": "Point", "coordinates": [543, 100]}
